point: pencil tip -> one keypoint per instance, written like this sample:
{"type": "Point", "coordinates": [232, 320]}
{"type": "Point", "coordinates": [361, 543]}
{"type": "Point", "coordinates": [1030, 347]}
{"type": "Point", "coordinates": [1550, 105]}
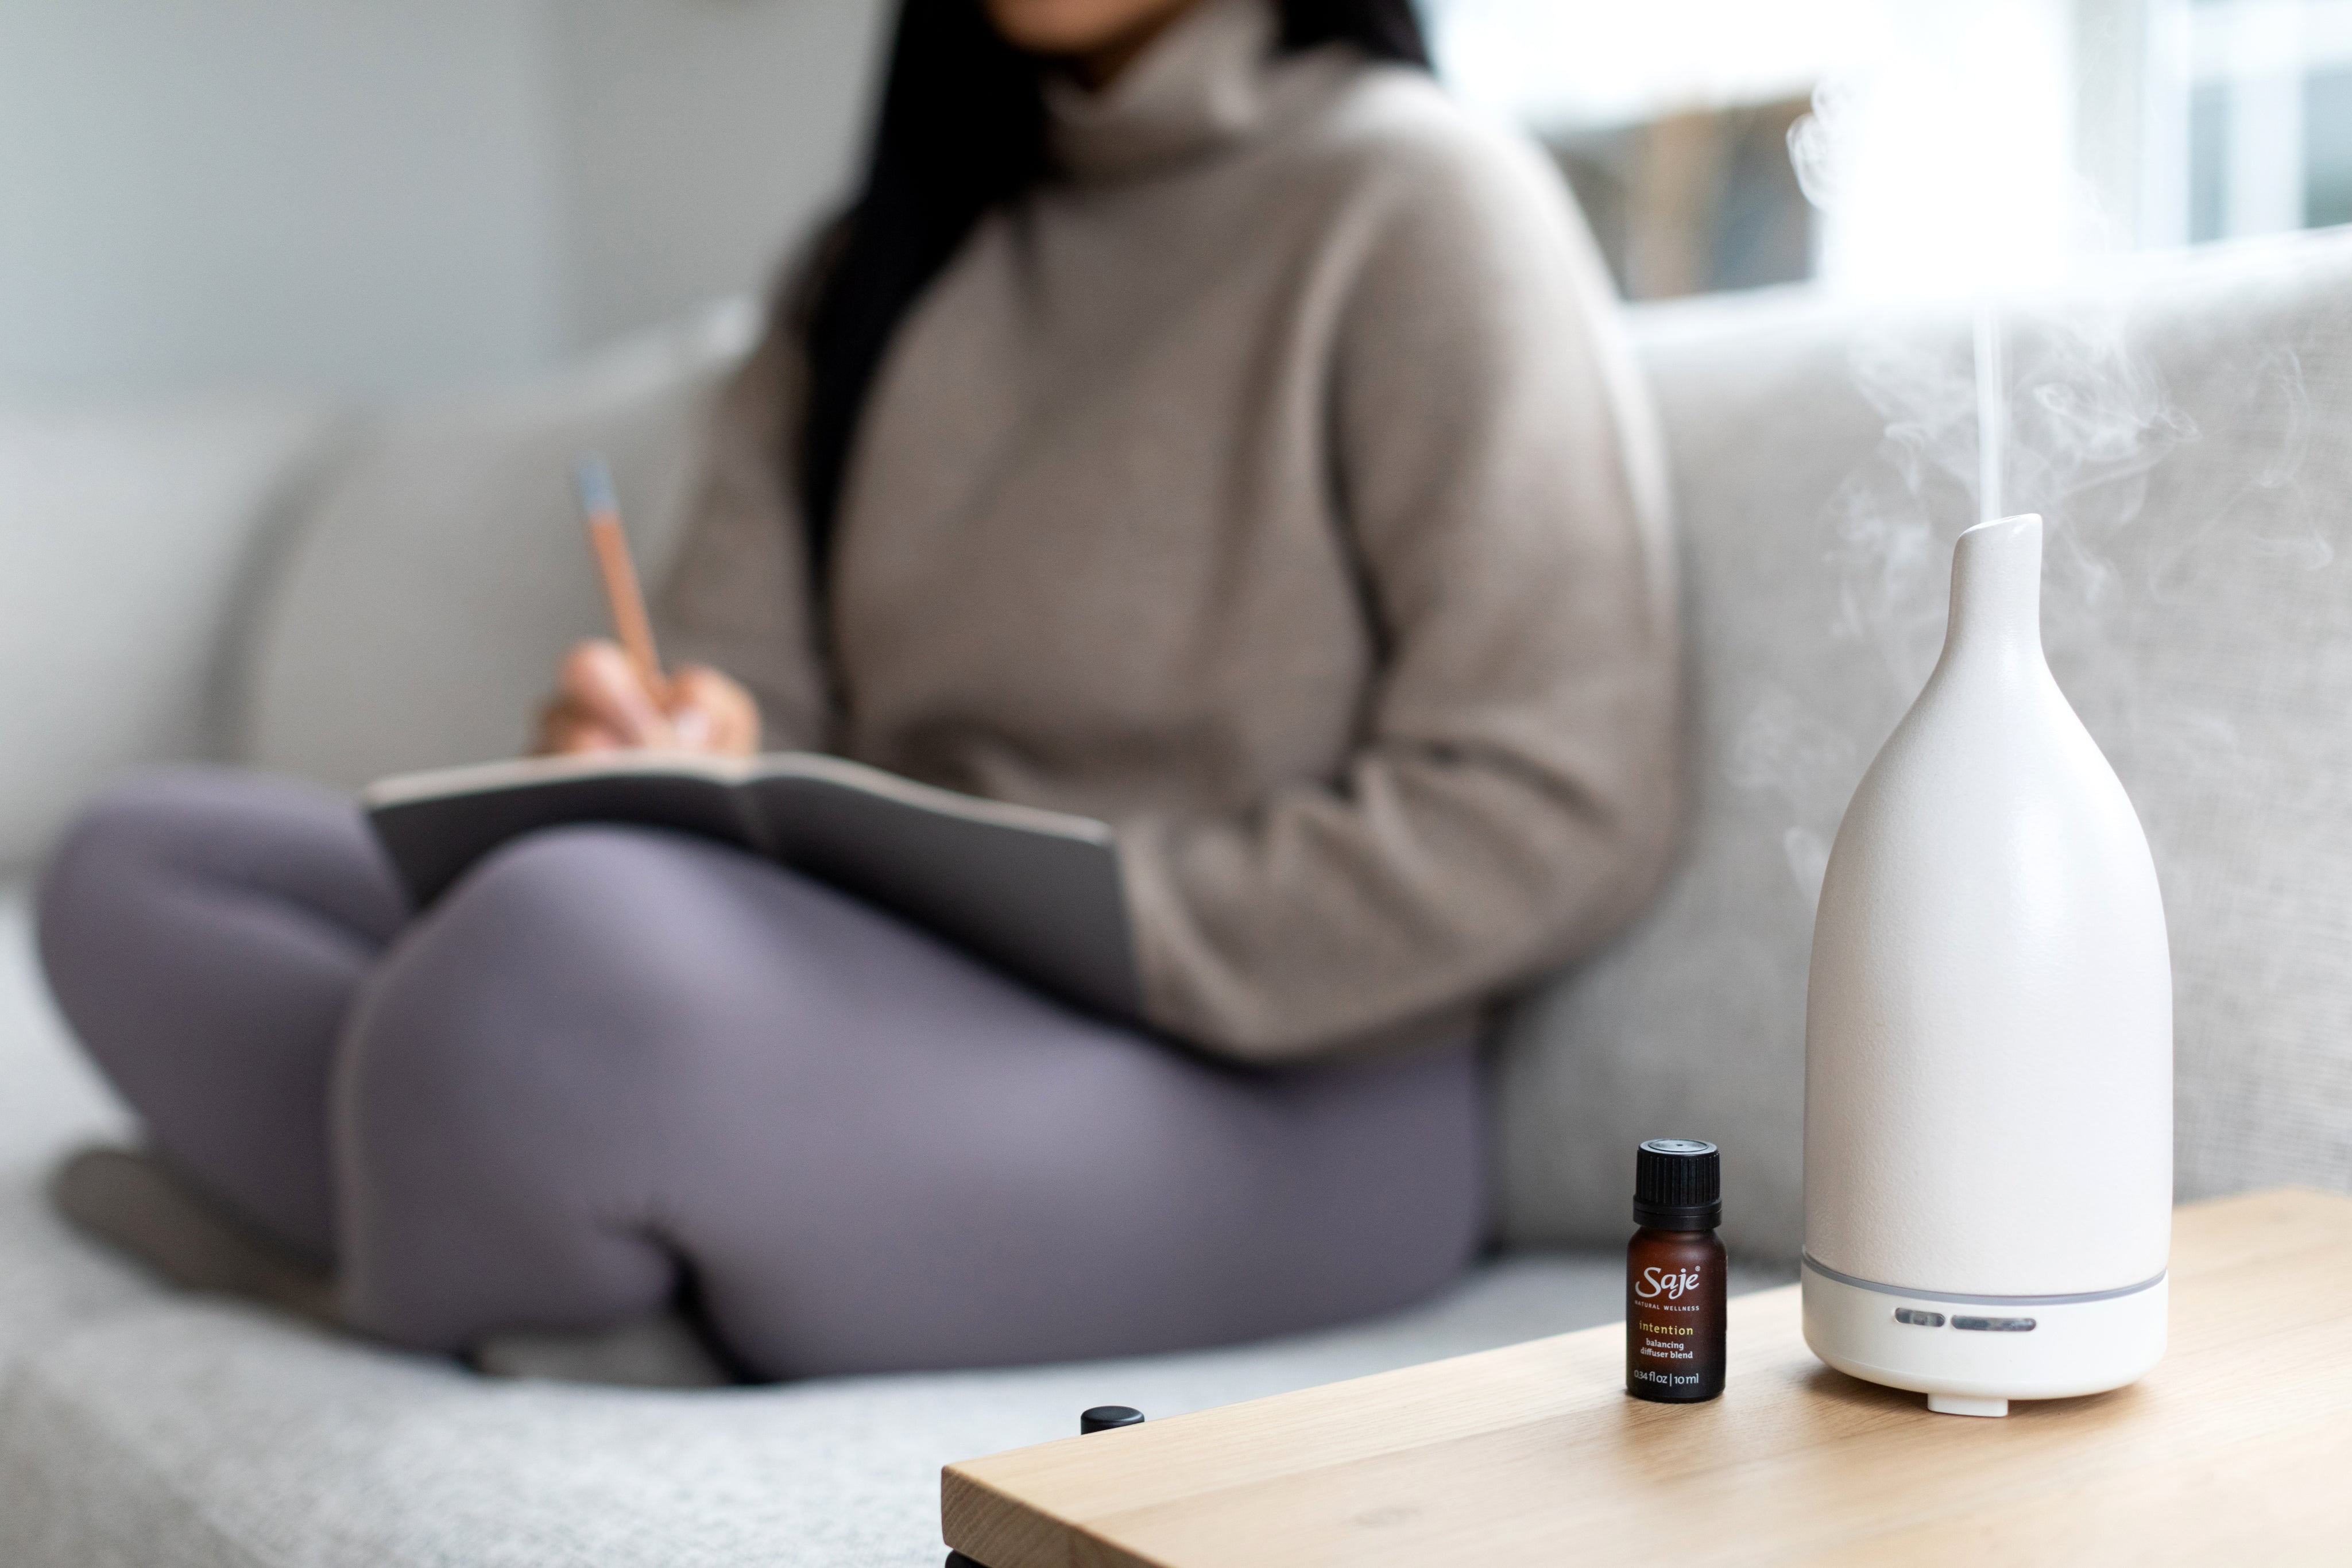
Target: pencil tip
{"type": "Point", "coordinates": [595, 485]}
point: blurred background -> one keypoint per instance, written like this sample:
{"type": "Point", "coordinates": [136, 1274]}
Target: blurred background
{"type": "Point", "coordinates": [372, 197]}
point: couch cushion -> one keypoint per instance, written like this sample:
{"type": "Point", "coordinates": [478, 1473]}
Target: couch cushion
{"type": "Point", "coordinates": [127, 533]}
{"type": "Point", "coordinates": [50, 1100]}
{"type": "Point", "coordinates": [240, 1438]}
{"type": "Point", "coordinates": [2187, 431]}
{"type": "Point", "coordinates": [416, 616]}
{"type": "Point", "coordinates": [139, 1425]}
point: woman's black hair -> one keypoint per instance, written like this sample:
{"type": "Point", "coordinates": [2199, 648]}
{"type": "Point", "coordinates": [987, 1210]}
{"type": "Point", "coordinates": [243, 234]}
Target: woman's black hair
{"type": "Point", "coordinates": [962, 127]}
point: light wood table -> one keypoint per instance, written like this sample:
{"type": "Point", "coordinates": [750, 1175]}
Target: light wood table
{"type": "Point", "coordinates": [2238, 1449]}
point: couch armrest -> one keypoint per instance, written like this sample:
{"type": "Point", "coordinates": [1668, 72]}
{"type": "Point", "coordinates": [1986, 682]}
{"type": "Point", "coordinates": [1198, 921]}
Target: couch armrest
{"type": "Point", "coordinates": [129, 540]}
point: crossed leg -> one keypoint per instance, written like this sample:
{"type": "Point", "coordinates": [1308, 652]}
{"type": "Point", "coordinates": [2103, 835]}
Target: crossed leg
{"type": "Point", "coordinates": [612, 1059]}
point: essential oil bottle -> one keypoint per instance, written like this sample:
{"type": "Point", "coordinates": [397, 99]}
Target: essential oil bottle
{"type": "Point", "coordinates": [1675, 1270]}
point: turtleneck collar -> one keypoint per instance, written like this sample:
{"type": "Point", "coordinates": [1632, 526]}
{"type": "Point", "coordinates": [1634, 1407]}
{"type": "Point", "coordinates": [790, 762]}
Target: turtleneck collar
{"type": "Point", "coordinates": [1213, 79]}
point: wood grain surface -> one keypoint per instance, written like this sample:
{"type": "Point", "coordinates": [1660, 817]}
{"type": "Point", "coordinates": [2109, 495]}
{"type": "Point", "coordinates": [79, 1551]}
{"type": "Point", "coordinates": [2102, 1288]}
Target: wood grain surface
{"type": "Point", "coordinates": [2238, 1446]}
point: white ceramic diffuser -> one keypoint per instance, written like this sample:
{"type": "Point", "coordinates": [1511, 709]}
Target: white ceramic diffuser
{"type": "Point", "coordinates": [1988, 1037]}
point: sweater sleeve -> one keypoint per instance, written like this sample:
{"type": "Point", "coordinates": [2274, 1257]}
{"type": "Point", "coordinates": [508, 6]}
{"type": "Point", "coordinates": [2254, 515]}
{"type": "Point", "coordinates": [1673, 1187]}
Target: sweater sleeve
{"type": "Point", "coordinates": [737, 595]}
{"type": "Point", "coordinates": [1513, 794]}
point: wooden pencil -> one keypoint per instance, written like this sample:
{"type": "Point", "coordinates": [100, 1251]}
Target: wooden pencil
{"type": "Point", "coordinates": [600, 509]}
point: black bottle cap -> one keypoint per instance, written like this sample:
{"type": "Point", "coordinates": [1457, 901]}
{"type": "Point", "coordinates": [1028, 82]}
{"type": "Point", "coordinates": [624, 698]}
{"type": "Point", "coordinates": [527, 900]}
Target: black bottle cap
{"type": "Point", "coordinates": [1103, 1418]}
{"type": "Point", "coordinates": [1677, 1185]}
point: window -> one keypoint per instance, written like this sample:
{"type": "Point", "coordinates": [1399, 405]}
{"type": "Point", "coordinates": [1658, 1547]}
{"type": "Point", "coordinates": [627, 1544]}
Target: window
{"type": "Point", "coordinates": [1950, 145]}
{"type": "Point", "coordinates": [2251, 99]}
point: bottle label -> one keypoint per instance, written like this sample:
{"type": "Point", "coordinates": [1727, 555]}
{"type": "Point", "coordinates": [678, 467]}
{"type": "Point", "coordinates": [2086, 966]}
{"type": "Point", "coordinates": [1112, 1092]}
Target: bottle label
{"type": "Point", "coordinates": [1665, 1328]}
{"type": "Point", "coordinates": [1671, 1283]}
{"type": "Point", "coordinates": [1674, 1327]}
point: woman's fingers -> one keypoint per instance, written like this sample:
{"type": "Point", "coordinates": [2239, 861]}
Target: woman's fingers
{"type": "Point", "coordinates": [710, 711]}
{"type": "Point", "coordinates": [564, 726]}
{"type": "Point", "coordinates": [598, 680]}
{"type": "Point", "coordinates": [601, 706]}
{"type": "Point", "coordinates": [568, 738]}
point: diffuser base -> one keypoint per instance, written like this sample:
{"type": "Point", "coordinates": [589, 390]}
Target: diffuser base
{"type": "Point", "coordinates": [1960, 1405]}
{"type": "Point", "coordinates": [1976, 1350]}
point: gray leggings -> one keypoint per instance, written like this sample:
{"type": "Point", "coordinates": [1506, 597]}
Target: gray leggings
{"type": "Point", "coordinates": [614, 1063]}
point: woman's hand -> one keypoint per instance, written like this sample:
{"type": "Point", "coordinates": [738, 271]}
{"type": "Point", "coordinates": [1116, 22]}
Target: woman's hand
{"type": "Point", "coordinates": [601, 706]}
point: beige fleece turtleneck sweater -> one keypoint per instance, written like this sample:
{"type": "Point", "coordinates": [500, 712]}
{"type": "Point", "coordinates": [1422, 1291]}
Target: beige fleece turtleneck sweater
{"type": "Point", "coordinates": [1273, 486]}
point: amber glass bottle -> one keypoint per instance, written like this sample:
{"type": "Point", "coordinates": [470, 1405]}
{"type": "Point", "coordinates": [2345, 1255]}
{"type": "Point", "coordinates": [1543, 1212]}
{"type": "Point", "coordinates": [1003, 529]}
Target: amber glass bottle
{"type": "Point", "coordinates": [1674, 1274]}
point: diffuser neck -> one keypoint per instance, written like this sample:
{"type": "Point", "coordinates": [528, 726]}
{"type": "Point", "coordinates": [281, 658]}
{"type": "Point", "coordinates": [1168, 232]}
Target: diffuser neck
{"type": "Point", "coordinates": [1996, 592]}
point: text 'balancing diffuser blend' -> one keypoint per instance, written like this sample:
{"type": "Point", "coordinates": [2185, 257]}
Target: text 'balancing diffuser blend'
{"type": "Point", "coordinates": [1674, 1274]}
{"type": "Point", "coordinates": [1988, 1037]}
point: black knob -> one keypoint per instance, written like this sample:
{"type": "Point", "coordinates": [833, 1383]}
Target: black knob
{"type": "Point", "coordinates": [1103, 1418]}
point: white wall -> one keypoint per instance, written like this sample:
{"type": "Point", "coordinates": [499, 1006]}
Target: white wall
{"type": "Point", "coordinates": [703, 138]}
{"type": "Point", "coordinates": [382, 195]}
{"type": "Point", "coordinates": [190, 191]}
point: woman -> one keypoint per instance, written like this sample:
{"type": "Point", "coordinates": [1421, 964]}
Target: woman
{"type": "Point", "coordinates": [1198, 423]}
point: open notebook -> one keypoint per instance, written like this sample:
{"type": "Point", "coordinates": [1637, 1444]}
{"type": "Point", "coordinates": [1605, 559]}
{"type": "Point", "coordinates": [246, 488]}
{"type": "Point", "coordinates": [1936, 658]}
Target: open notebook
{"type": "Point", "coordinates": [1038, 892]}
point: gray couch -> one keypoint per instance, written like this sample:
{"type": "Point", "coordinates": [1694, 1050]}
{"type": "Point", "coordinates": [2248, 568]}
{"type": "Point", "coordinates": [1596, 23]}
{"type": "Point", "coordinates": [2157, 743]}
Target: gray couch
{"type": "Point", "coordinates": [338, 595]}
